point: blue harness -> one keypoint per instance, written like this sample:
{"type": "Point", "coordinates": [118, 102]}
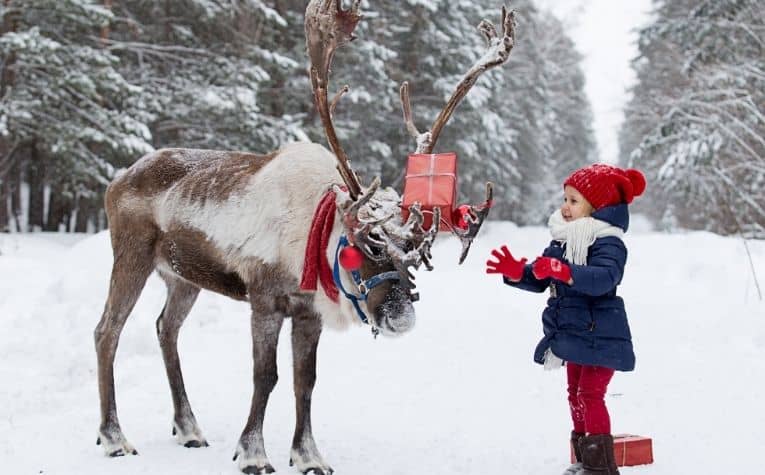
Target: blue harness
{"type": "Point", "coordinates": [364, 286]}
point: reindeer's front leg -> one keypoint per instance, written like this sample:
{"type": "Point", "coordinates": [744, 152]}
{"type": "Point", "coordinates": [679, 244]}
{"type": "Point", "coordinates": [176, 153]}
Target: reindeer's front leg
{"type": "Point", "coordinates": [306, 329]}
{"type": "Point", "coordinates": [266, 324]}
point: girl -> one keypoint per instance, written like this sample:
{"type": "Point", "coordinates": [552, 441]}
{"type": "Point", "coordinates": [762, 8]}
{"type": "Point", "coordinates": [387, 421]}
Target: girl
{"type": "Point", "coordinates": [584, 323]}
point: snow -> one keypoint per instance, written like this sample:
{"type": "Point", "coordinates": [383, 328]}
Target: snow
{"type": "Point", "coordinates": [215, 101]}
{"type": "Point", "coordinates": [458, 394]}
{"type": "Point", "coordinates": [375, 146]}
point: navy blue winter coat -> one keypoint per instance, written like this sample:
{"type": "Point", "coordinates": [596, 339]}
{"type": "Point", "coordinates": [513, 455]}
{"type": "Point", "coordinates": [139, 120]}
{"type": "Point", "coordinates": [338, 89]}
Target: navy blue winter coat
{"type": "Point", "coordinates": [585, 323]}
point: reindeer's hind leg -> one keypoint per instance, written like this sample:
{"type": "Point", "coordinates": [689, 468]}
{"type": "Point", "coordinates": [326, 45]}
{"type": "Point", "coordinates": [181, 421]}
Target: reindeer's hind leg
{"type": "Point", "coordinates": [306, 329]}
{"type": "Point", "coordinates": [133, 262]}
{"type": "Point", "coordinates": [180, 298]}
{"type": "Point", "coordinates": [266, 323]}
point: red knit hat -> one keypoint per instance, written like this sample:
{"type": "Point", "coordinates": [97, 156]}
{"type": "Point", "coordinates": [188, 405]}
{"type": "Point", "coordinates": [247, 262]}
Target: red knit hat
{"type": "Point", "coordinates": [605, 185]}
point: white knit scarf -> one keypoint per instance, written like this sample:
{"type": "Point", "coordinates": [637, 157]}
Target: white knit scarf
{"type": "Point", "coordinates": [579, 234]}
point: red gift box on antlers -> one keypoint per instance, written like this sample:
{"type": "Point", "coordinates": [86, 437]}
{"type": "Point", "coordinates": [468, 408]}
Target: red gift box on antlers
{"type": "Point", "coordinates": [431, 180]}
{"type": "Point", "coordinates": [629, 450]}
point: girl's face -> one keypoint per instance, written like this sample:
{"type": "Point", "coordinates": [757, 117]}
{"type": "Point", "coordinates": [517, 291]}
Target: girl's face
{"type": "Point", "coordinates": [574, 206]}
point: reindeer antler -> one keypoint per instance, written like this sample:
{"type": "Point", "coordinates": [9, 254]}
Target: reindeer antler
{"type": "Point", "coordinates": [474, 222]}
{"type": "Point", "coordinates": [499, 48]}
{"type": "Point", "coordinates": [327, 27]}
{"type": "Point", "coordinates": [498, 51]}
{"type": "Point", "coordinates": [422, 241]}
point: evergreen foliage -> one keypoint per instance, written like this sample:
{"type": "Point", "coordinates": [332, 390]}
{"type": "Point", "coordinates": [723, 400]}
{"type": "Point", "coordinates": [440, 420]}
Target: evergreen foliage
{"type": "Point", "coordinates": [65, 106]}
{"type": "Point", "coordinates": [91, 85]}
{"type": "Point", "coordinates": [696, 122]}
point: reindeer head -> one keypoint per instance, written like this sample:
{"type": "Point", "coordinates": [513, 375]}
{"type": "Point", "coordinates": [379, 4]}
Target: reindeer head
{"type": "Point", "coordinates": [371, 216]}
{"type": "Point", "coordinates": [391, 248]}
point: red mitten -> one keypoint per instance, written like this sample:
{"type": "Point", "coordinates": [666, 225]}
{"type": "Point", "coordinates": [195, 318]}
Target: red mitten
{"type": "Point", "coordinates": [506, 264]}
{"type": "Point", "coordinates": [545, 267]}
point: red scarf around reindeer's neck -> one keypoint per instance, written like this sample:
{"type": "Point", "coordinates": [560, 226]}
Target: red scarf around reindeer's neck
{"type": "Point", "coordinates": [316, 266]}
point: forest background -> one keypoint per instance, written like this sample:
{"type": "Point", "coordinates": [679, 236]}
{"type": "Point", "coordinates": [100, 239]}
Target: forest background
{"type": "Point", "coordinates": [89, 86]}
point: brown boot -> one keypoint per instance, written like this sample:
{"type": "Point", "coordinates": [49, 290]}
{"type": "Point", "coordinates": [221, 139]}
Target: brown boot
{"type": "Point", "coordinates": [575, 468]}
{"type": "Point", "coordinates": [598, 455]}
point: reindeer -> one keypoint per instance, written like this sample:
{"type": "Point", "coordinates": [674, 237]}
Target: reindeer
{"type": "Point", "coordinates": [248, 226]}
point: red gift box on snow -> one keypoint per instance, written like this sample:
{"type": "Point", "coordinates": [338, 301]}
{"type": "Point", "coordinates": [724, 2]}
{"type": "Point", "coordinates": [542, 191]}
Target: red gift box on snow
{"type": "Point", "coordinates": [431, 180]}
{"type": "Point", "coordinates": [629, 450]}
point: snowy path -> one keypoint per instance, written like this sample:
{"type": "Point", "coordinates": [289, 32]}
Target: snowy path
{"type": "Point", "coordinates": [458, 395]}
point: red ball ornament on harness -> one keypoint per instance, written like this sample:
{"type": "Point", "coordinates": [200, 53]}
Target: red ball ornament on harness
{"type": "Point", "coordinates": [350, 258]}
{"type": "Point", "coordinates": [460, 216]}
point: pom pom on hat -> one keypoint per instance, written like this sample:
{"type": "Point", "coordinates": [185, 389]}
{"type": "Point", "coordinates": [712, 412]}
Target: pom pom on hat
{"type": "Point", "coordinates": [606, 185]}
{"type": "Point", "coordinates": [638, 181]}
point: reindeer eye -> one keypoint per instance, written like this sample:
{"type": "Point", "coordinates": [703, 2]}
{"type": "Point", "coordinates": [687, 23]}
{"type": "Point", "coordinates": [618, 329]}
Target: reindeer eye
{"type": "Point", "coordinates": [378, 252]}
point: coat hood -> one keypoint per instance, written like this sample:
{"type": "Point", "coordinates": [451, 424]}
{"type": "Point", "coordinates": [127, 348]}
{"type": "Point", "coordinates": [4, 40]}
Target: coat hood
{"type": "Point", "coordinates": [616, 215]}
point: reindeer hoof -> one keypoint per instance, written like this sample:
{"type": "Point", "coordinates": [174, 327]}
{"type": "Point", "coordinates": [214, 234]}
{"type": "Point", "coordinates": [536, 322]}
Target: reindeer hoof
{"type": "Point", "coordinates": [114, 444]}
{"type": "Point", "coordinates": [318, 471]}
{"type": "Point", "coordinates": [315, 471]}
{"type": "Point", "coordinates": [121, 453]}
{"type": "Point", "coordinates": [259, 470]}
{"type": "Point", "coordinates": [309, 461]}
{"type": "Point", "coordinates": [189, 435]}
{"type": "Point", "coordinates": [195, 444]}
{"type": "Point", "coordinates": [252, 459]}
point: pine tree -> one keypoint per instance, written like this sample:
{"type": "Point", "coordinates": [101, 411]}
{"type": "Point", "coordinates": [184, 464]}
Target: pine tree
{"type": "Point", "coordinates": [566, 117]}
{"type": "Point", "coordinates": [113, 80]}
{"type": "Point", "coordinates": [697, 119]}
{"type": "Point", "coordinates": [518, 122]}
{"type": "Point", "coordinates": [204, 67]}
{"type": "Point", "coordinates": [544, 117]}
{"type": "Point", "coordinates": [68, 107]}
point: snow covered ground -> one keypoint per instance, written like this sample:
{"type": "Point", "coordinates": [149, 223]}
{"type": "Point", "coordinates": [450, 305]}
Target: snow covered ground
{"type": "Point", "coordinates": [458, 395]}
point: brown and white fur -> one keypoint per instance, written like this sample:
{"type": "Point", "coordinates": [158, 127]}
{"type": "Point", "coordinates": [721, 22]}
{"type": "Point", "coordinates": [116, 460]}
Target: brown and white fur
{"type": "Point", "coordinates": [237, 224]}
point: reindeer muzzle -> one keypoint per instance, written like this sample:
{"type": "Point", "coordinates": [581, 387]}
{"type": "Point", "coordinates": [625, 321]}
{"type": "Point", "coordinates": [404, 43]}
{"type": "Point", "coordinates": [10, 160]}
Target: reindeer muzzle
{"type": "Point", "coordinates": [362, 286]}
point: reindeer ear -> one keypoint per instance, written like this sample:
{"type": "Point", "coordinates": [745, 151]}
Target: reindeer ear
{"type": "Point", "coordinates": [342, 198]}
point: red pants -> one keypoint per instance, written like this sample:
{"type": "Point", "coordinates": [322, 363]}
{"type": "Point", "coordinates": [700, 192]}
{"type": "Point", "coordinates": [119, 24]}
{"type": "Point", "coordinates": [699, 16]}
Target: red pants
{"type": "Point", "coordinates": [586, 392]}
